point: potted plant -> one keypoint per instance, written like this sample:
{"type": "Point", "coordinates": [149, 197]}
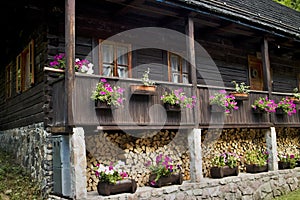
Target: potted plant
{"type": "Point", "coordinates": [256, 161]}
{"type": "Point", "coordinates": [107, 96]}
{"type": "Point", "coordinates": [296, 96]}
{"type": "Point", "coordinates": [164, 172]}
{"type": "Point", "coordinates": [225, 164]}
{"type": "Point", "coordinates": [221, 102]}
{"type": "Point", "coordinates": [286, 106]}
{"type": "Point", "coordinates": [113, 179]}
{"type": "Point", "coordinates": [287, 161]}
{"type": "Point", "coordinates": [241, 91]}
{"type": "Point", "coordinates": [83, 66]}
{"type": "Point", "coordinates": [148, 87]}
{"type": "Point", "coordinates": [264, 105]}
{"type": "Point", "coordinates": [175, 100]}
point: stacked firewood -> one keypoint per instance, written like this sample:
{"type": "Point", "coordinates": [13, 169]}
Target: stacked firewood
{"type": "Point", "coordinates": [135, 152]}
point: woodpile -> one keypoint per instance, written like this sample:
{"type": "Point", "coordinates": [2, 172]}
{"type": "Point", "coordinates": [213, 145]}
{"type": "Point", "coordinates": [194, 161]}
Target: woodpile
{"type": "Point", "coordinates": [135, 152]}
{"type": "Point", "coordinates": [215, 142]}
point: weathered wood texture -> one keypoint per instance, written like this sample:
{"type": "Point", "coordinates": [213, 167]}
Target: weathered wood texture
{"type": "Point", "coordinates": [243, 117]}
{"type": "Point", "coordinates": [138, 110]}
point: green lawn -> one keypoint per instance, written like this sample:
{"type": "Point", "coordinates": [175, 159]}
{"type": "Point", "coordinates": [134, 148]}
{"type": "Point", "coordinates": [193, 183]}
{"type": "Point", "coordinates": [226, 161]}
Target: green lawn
{"type": "Point", "coordinates": [295, 195]}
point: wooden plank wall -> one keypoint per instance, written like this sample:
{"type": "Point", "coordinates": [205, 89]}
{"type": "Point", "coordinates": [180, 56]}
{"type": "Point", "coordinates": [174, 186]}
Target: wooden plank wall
{"type": "Point", "coordinates": [135, 111]}
{"type": "Point", "coordinates": [25, 108]}
{"type": "Point", "coordinates": [243, 117]}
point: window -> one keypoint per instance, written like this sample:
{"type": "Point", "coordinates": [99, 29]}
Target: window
{"type": "Point", "coordinates": [115, 59]}
{"type": "Point", "coordinates": [178, 69]}
{"type": "Point", "coordinates": [8, 80]}
{"type": "Point", "coordinates": [25, 68]}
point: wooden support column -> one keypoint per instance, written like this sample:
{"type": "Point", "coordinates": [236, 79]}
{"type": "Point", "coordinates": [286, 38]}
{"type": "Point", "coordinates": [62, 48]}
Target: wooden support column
{"type": "Point", "coordinates": [194, 142]}
{"type": "Point", "coordinates": [267, 71]}
{"type": "Point", "coordinates": [194, 135]}
{"type": "Point", "coordinates": [192, 63]}
{"type": "Point", "coordinates": [272, 148]}
{"type": "Point", "coordinates": [70, 58]}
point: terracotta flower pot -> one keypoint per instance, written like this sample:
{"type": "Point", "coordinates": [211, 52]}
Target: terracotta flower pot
{"type": "Point", "coordinates": [220, 172]}
{"type": "Point", "coordinates": [126, 185]}
{"type": "Point", "coordinates": [166, 180]}
{"type": "Point", "coordinates": [256, 168]}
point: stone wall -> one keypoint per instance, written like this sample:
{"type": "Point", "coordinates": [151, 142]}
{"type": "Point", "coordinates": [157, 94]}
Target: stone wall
{"type": "Point", "coordinates": [246, 186]}
{"type": "Point", "coordinates": [135, 149]}
{"type": "Point", "coordinates": [31, 146]}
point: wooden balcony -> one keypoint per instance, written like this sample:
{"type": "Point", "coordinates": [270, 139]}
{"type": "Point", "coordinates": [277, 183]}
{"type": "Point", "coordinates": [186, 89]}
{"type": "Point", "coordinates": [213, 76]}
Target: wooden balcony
{"type": "Point", "coordinates": [142, 112]}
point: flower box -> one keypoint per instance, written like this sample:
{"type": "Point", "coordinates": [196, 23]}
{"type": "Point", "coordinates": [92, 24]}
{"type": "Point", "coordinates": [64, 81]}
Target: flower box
{"type": "Point", "coordinates": [284, 165]}
{"type": "Point", "coordinates": [220, 172]}
{"type": "Point", "coordinates": [258, 111]}
{"type": "Point", "coordinates": [166, 180]}
{"type": "Point", "coordinates": [143, 89]}
{"type": "Point", "coordinates": [103, 105]}
{"type": "Point", "coordinates": [279, 111]}
{"type": "Point", "coordinates": [240, 96]}
{"type": "Point", "coordinates": [256, 168]}
{"type": "Point", "coordinates": [126, 185]}
{"type": "Point", "coordinates": [172, 108]}
{"type": "Point", "coordinates": [215, 108]}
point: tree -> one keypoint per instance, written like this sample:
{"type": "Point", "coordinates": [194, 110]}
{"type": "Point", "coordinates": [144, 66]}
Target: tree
{"type": "Point", "coordinates": [294, 4]}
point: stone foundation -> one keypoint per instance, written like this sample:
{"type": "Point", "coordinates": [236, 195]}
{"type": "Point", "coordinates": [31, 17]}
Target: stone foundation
{"type": "Point", "coordinates": [265, 186]}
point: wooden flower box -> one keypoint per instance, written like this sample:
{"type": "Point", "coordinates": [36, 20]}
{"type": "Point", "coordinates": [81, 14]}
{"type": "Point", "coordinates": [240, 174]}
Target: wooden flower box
{"type": "Point", "coordinates": [176, 179]}
{"type": "Point", "coordinates": [220, 172]}
{"type": "Point", "coordinates": [258, 111]}
{"type": "Point", "coordinates": [143, 89]}
{"type": "Point", "coordinates": [126, 185]}
{"type": "Point", "coordinates": [240, 96]}
{"type": "Point", "coordinates": [103, 105]}
{"type": "Point", "coordinates": [279, 111]}
{"type": "Point", "coordinates": [284, 165]}
{"type": "Point", "coordinates": [172, 108]}
{"type": "Point", "coordinates": [256, 168]}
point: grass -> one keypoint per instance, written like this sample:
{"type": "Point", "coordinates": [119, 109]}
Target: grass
{"type": "Point", "coordinates": [295, 195]}
{"type": "Point", "coordinates": [15, 183]}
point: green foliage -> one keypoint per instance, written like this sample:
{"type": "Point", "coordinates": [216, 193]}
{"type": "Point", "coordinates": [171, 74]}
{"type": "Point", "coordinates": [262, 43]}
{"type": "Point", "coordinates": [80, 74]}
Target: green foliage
{"type": "Point", "coordinates": [15, 182]}
{"type": "Point", "coordinates": [229, 159]}
{"type": "Point", "coordinates": [241, 88]}
{"type": "Point", "coordinates": [256, 157]}
{"type": "Point", "coordinates": [146, 81]}
{"type": "Point", "coordinates": [294, 4]}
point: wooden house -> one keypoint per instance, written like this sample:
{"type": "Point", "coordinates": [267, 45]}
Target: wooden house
{"type": "Point", "coordinates": [196, 45]}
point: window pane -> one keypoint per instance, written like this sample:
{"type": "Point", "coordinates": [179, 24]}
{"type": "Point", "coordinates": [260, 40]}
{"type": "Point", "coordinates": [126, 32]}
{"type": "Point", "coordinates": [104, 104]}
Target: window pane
{"type": "Point", "coordinates": [27, 71]}
{"type": "Point", "coordinates": [122, 55]}
{"type": "Point", "coordinates": [107, 70]}
{"type": "Point", "coordinates": [184, 66]}
{"type": "Point", "coordinates": [185, 78]}
{"type": "Point", "coordinates": [122, 71]}
{"type": "Point", "coordinates": [174, 63]}
{"type": "Point", "coordinates": [107, 53]}
{"type": "Point", "coordinates": [176, 77]}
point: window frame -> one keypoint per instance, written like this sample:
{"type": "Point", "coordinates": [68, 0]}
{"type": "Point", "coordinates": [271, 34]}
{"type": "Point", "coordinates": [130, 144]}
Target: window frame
{"type": "Point", "coordinates": [180, 72]}
{"type": "Point", "coordinates": [25, 66]}
{"type": "Point", "coordinates": [115, 64]}
{"type": "Point", "coordinates": [8, 80]}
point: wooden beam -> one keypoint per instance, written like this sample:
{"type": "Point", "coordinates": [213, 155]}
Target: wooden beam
{"type": "Point", "coordinates": [192, 70]}
{"type": "Point", "coordinates": [70, 58]}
